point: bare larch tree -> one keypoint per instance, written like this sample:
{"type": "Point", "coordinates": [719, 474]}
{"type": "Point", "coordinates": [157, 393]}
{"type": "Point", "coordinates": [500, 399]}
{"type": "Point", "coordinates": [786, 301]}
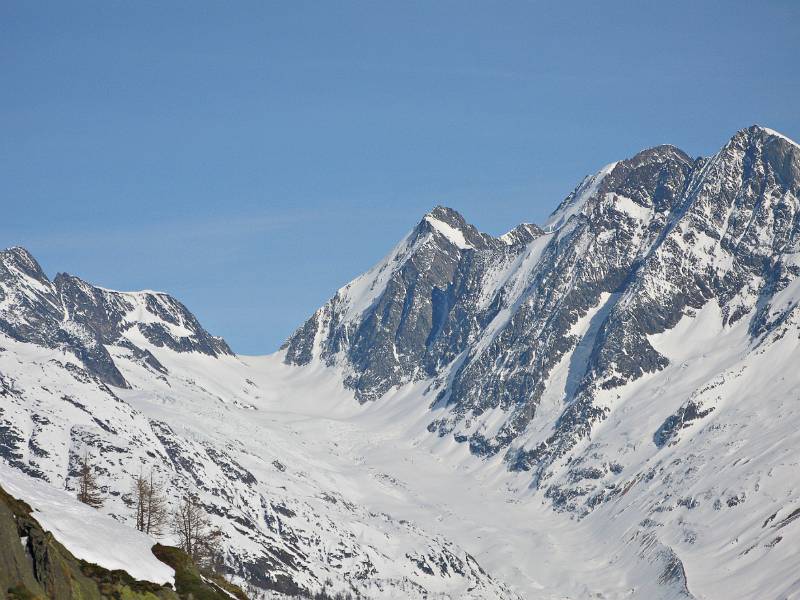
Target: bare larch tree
{"type": "Point", "coordinates": [192, 527]}
{"type": "Point", "coordinates": [88, 489]}
{"type": "Point", "coordinates": [150, 505]}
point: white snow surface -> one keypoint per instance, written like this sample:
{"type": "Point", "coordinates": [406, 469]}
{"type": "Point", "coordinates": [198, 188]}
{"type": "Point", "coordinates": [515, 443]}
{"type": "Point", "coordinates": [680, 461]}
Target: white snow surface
{"type": "Point", "coordinates": [348, 489]}
{"type": "Point", "coordinates": [399, 490]}
{"type": "Point", "coordinates": [87, 533]}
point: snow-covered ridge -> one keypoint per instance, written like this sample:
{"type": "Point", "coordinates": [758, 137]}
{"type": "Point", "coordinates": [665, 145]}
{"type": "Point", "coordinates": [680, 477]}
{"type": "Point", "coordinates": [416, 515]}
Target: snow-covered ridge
{"type": "Point", "coordinates": [779, 135]}
{"type": "Point", "coordinates": [575, 202]}
{"type": "Point", "coordinates": [84, 320]}
{"type": "Point", "coordinates": [607, 409]}
{"type": "Point", "coordinates": [522, 233]}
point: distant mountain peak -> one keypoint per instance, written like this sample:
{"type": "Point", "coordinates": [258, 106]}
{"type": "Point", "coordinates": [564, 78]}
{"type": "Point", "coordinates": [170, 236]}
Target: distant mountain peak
{"type": "Point", "coordinates": [499, 311]}
{"type": "Point", "coordinates": [633, 177]}
{"type": "Point", "coordinates": [447, 215]}
{"type": "Point", "coordinates": [774, 152]}
{"type": "Point", "coordinates": [19, 251]}
{"type": "Point", "coordinates": [71, 314]}
{"type": "Point", "coordinates": [23, 260]}
{"type": "Point", "coordinates": [454, 228]}
{"type": "Point", "coordinates": [760, 131]}
{"type": "Point", "coordinates": [658, 154]}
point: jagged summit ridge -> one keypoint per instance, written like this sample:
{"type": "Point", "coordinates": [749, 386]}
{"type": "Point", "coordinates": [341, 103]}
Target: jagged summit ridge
{"type": "Point", "coordinates": [159, 317]}
{"type": "Point", "coordinates": [400, 310]}
{"type": "Point", "coordinates": [71, 314]}
{"type": "Point", "coordinates": [452, 226]}
{"type": "Point", "coordinates": [490, 321]}
{"type": "Point", "coordinates": [631, 345]}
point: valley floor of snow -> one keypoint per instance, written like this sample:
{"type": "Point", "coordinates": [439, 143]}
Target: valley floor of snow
{"type": "Point", "coordinates": [380, 456]}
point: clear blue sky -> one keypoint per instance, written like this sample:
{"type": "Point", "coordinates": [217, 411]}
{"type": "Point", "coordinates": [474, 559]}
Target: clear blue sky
{"type": "Point", "coordinates": [250, 158]}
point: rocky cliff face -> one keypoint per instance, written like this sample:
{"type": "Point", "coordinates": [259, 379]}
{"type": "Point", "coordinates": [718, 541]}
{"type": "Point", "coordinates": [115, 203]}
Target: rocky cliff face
{"type": "Point", "coordinates": [730, 237]}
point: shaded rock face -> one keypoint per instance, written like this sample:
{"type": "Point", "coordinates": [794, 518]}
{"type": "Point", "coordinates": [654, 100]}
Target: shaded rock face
{"type": "Point", "coordinates": [74, 316]}
{"type": "Point", "coordinates": [417, 307]}
{"type": "Point", "coordinates": [32, 311]}
{"type": "Point", "coordinates": [731, 238]}
{"type": "Point", "coordinates": [631, 251]}
{"type": "Point", "coordinates": [160, 318]}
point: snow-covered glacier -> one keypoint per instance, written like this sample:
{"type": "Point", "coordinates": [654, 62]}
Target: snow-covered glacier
{"type": "Point", "coordinates": [606, 406]}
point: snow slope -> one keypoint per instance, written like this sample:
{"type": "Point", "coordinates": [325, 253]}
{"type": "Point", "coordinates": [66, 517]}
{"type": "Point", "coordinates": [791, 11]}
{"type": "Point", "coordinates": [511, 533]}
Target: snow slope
{"type": "Point", "coordinates": [369, 480]}
{"type": "Point", "coordinates": [355, 487]}
{"type": "Point", "coordinates": [85, 532]}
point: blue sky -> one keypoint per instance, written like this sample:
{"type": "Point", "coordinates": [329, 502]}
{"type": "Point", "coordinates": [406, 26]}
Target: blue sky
{"type": "Point", "coordinates": [252, 157]}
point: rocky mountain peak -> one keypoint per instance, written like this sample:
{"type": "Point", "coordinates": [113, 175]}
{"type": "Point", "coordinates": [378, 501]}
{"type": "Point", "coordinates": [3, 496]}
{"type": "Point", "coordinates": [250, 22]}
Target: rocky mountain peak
{"type": "Point", "coordinates": [447, 215]}
{"type": "Point", "coordinates": [652, 179]}
{"type": "Point", "coordinates": [20, 259]}
{"type": "Point", "coordinates": [452, 226]}
{"type": "Point", "coordinates": [490, 319]}
{"type": "Point", "coordinates": [659, 154]}
{"type": "Point", "coordinates": [779, 154]}
{"type": "Point", "coordinates": [759, 132]}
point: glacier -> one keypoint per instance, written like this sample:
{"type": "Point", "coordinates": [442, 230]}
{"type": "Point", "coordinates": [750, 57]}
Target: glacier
{"type": "Point", "coordinates": [604, 407]}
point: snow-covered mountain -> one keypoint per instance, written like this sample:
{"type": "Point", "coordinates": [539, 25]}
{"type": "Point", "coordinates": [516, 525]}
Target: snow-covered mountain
{"type": "Point", "coordinates": [605, 405]}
